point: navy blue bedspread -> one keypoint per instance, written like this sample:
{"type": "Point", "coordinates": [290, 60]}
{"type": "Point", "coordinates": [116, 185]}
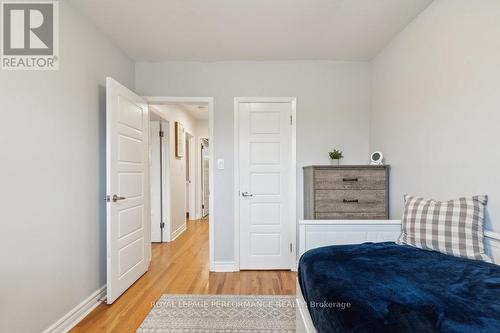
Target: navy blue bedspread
{"type": "Point", "coordinates": [384, 287]}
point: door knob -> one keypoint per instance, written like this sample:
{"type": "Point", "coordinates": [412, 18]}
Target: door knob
{"type": "Point", "coordinates": [116, 198]}
{"type": "Point", "coordinates": [246, 194]}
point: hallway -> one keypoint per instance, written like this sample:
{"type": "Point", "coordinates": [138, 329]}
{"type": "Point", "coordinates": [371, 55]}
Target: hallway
{"type": "Point", "coordinates": [181, 267]}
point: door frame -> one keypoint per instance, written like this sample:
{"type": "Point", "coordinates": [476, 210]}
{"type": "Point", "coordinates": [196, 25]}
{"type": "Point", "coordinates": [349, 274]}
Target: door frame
{"type": "Point", "coordinates": [293, 176]}
{"type": "Point", "coordinates": [165, 175]}
{"type": "Point", "coordinates": [200, 170]}
{"type": "Point", "coordinates": [158, 100]}
{"type": "Point", "coordinates": [191, 165]}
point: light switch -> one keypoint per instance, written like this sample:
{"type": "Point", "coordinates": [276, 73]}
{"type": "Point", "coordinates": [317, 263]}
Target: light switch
{"type": "Point", "coordinates": [220, 163]}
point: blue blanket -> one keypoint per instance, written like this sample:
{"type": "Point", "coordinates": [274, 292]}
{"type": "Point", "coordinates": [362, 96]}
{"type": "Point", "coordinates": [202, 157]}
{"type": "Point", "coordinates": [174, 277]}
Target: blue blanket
{"type": "Point", "coordinates": [384, 287]}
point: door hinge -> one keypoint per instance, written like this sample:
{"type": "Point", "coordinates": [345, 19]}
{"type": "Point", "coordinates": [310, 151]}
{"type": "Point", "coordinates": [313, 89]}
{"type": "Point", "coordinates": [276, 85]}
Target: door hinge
{"type": "Point", "coordinates": [291, 120]}
{"type": "Point", "coordinates": [291, 246]}
{"type": "Point", "coordinates": [202, 206]}
{"type": "Point", "coordinates": [162, 225]}
{"type": "Point", "coordinates": [161, 134]}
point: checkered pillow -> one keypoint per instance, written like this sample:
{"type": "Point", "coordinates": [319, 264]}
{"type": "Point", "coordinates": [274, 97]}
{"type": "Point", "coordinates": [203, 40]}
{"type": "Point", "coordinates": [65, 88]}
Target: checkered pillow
{"type": "Point", "coordinates": [452, 227]}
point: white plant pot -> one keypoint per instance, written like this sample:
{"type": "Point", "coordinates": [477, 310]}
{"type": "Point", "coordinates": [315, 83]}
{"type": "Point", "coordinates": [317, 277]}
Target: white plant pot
{"type": "Point", "coordinates": [335, 162]}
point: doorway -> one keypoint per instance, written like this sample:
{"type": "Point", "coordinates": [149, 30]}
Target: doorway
{"type": "Point", "coordinates": [193, 199]}
{"type": "Point", "coordinates": [129, 150]}
{"type": "Point", "coordinates": [159, 178]}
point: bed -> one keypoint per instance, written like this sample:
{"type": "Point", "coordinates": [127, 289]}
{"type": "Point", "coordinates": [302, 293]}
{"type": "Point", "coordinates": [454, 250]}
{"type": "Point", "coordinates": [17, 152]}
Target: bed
{"type": "Point", "coordinates": [384, 287]}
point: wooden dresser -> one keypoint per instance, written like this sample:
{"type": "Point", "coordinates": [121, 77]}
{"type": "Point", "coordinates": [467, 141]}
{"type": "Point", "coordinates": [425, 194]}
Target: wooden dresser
{"type": "Point", "coordinates": [346, 192]}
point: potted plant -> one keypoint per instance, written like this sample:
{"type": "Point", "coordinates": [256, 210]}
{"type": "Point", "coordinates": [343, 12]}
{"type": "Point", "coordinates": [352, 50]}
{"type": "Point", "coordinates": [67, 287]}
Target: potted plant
{"type": "Point", "coordinates": [335, 156]}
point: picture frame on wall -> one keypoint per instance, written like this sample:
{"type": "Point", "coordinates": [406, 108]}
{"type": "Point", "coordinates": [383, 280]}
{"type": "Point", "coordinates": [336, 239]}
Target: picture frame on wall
{"type": "Point", "coordinates": [179, 140]}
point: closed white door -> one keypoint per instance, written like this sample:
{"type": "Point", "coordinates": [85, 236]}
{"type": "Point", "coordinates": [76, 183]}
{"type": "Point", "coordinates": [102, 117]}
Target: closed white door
{"type": "Point", "coordinates": [265, 172]}
{"type": "Point", "coordinates": [128, 211]}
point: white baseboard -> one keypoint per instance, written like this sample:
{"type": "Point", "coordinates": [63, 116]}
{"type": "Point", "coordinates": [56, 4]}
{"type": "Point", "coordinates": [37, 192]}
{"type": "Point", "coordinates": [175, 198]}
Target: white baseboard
{"type": "Point", "coordinates": [75, 315]}
{"type": "Point", "coordinates": [225, 266]}
{"type": "Point", "coordinates": [178, 232]}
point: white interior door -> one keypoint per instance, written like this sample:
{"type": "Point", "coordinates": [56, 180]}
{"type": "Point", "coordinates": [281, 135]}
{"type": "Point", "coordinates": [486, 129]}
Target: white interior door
{"type": "Point", "coordinates": [128, 212]}
{"type": "Point", "coordinates": [265, 171]}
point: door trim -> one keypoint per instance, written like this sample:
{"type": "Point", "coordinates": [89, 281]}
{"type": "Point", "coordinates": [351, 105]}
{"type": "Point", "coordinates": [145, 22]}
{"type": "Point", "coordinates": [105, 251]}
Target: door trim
{"type": "Point", "coordinates": [200, 170]}
{"type": "Point", "coordinates": [191, 195]}
{"type": "Point", "coordinates": [165, 171]}
{"type": "Point", "coordinates": [293, 180]}
{"type": "Point", "coordinates": [211, 215]}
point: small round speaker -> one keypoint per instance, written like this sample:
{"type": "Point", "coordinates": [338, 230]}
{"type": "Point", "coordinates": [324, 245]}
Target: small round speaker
{"type": "Point", "coordinates": [377, 158]}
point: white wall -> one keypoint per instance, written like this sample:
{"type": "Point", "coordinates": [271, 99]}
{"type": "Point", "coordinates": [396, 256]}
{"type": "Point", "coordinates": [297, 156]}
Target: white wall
{"type": "Point", "coordinates": [202, 128]}
{"type": "Point", "coordinates": [52, 152]}
{"type": "Point", "coordinates": [333, 100]}
{"type": "Point", "coordinates": [436, 104]}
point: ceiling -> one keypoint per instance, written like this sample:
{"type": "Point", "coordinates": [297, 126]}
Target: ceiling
{"type": "Point", "coordinates": [196, 111]}
{"type": "Point", "coordinates": [218, 30]}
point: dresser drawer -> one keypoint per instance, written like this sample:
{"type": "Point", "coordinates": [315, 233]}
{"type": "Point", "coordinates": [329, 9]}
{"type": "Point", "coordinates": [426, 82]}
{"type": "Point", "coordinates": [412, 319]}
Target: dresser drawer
{"type": "Point", "coordinates": [346, 192]}
{"type": "Point", "coordinates": [356, 201]}
{"type": "Point", "coordinates": [350, 216]}
{"type": "Point", "coordinates": [351, 179]}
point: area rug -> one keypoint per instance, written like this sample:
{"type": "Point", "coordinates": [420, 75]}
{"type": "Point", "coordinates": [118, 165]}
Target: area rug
{"type": "Point", "coordinates": [221, 313]}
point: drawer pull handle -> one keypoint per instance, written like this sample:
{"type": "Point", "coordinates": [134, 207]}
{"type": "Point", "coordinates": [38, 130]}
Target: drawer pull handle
{"type": "Point", "coordinates": [349, 179]}
{"type": "Point", "coordinates": [351, 201]}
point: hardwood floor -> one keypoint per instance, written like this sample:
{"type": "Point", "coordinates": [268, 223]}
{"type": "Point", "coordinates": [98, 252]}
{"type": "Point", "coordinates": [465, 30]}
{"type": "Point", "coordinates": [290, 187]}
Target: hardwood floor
{"type": "Point", "coordinates": [181, 267]}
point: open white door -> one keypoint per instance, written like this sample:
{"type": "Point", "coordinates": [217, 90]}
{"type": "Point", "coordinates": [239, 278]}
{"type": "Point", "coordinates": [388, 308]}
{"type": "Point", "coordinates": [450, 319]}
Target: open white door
{"type": "Point", "coordinates": [127, 163]}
